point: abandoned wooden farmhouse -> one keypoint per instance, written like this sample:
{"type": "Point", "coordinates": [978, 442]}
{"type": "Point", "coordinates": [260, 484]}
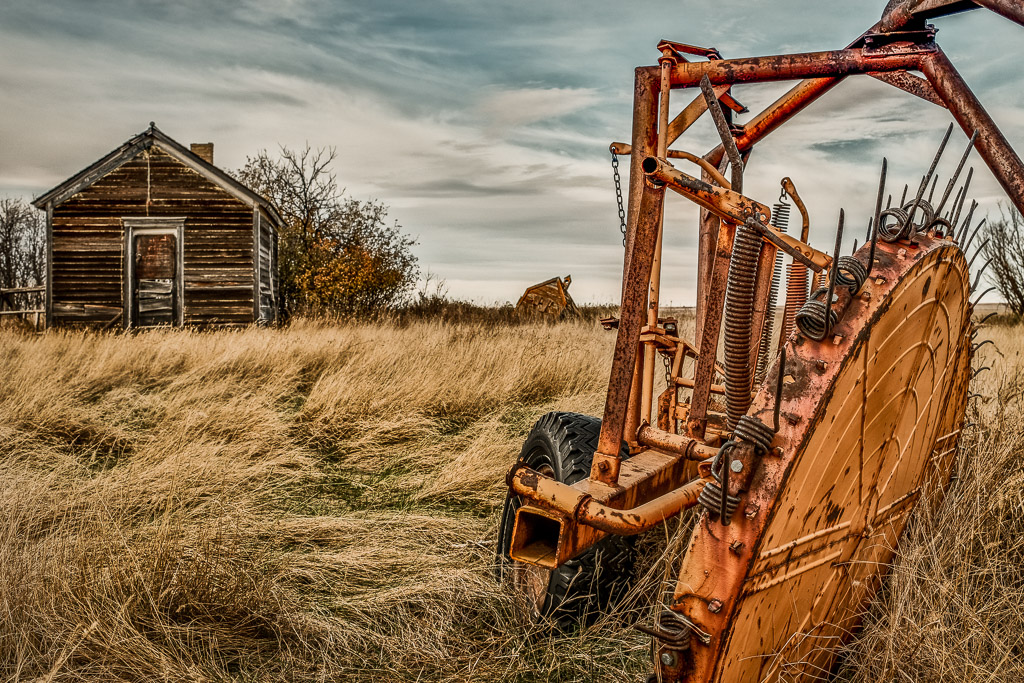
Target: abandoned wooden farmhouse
{"type": "Point", "coordinates": [155, 234]}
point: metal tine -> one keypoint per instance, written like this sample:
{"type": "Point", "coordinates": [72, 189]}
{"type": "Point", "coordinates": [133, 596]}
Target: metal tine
{"type": "Point", "coordinates": [980, 249]}
{"type": "Point", "coordinates": [975, 347]}
{"type": "Point", "coordinates": [728, 141]}
{"type": "Point", "coordinates": [963, 198]}
{"type": "Point", "coordinates": [956, 174]}
{"type": "Point", "coordinates": [878, 213]}
{"type": "Point", "coordinates": [971, 238]}
{"type": "Point", "coordinates": [835, 272]}
{"type": "Point", "coordinates": [956, 200]}
{"type": "Point", "coordinates": [928, 177]}
{"type": "Point", "coordinates": [778, 386]}
{"type": "Point", "coordinates": [979, 371]}
{"type": "Point", "coordinates": [977, 278]}
{"type": "Point", "coordinates": [903, 197]}
{"type": "Point", "coordinates": [854, 245]}
{"type": "Point", "coordinates": [888, 203]}
{"type": "Point", "coordinates": [931, 192]}
{"type": "Point", "coordinates": [967, 221]}
{"type": "Point", "coordinates": [986, 317]}
{"type": "Point", "coordinates": [975, 302]}
{"type": "Point", "coordinates": [867, 237]}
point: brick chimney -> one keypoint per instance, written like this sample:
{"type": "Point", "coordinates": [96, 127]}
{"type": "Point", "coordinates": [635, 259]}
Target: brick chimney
{"type": "Point", "coordinates": [203, 150]}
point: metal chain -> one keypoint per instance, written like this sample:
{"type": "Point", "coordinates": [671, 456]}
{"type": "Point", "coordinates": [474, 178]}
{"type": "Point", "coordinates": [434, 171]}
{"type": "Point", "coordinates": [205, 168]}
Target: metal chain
{"type": "Point", "coordinates": [618, 196]}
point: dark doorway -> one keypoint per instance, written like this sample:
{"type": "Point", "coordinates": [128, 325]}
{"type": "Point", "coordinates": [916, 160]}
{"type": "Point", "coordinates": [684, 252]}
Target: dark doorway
{"type": "Point", "coordinates": [154, 282]}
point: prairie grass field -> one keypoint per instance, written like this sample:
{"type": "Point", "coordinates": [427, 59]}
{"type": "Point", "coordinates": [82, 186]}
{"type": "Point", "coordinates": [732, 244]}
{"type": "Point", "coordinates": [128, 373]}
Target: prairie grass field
{"type": "Point", "coordinates": [319, 502]}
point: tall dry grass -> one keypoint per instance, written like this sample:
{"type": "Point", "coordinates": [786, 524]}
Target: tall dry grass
{"type": "Point", "coordinates": [319, 503]}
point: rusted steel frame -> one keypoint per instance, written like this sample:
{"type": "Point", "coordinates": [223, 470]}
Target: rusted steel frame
{"type": "Point", "coordinates": [1011, 9]}
{"type": "Point", "coordinates": [901, 13]}
{"type": "Point", "coordinates": [584, 509]}
{"type": "Point", "coordinates": [653, 295]}
{"type": "Point", "coordinates": [993, 147]}
{"type": "Point", "coordinates": [631, 318]}
{"type": "Point", "coordinates": [644, 141]}
{"type": "Point", "coordinates": [649, 348]}
{"type": "Point", "coordinates": [667, 442]}
{"type": "Point", "coordinates": [704, 370]}
{"type": "Point", "coordinates": [707, 238]}
{"type": "Point", "coordinates": [915, 85]}
{"type": "Point", "coordinates": [795, 66]}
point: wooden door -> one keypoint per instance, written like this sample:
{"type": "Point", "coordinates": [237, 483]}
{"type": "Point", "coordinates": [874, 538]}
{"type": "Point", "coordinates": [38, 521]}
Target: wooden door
{"type": "Point", "coordinates": [154, 281]}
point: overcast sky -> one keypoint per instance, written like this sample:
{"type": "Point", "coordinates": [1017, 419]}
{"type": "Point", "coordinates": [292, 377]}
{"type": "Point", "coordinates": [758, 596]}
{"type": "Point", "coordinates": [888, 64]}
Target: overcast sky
{"type": "Point", "coordinates": [485, 126]}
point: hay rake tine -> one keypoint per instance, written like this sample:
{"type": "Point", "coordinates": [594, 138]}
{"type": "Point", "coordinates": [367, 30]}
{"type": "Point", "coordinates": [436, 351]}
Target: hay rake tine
{"type": "Point", "coordinates": [956, 174]}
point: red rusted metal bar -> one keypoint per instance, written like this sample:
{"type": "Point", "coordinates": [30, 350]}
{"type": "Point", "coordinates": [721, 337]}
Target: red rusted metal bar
{"type": "Point", "coordinates": [796, 66]}
{"type": "Point", "coordinates": [631, 319]}
{"type": "Point", "coordinates": [1011, 9]}
{"type": "Point", "coordinates": [993, 147]}
{"type": "Point", "coordinates": [644, 142]}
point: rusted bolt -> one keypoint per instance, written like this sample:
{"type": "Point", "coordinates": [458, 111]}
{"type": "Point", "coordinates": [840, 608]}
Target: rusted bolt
{"type": "Point", "coordinates": [602, 466]}
{"type": "Point", "coordinates": [715, 606]}
{"type": "Point", "coordinates": [778, 452]}
{"type": "Point", "coordinates": [669, 658]}
{"type": "Point", "coordinates": [736, 466]}
{"type": "Point", "coordinates": [821, 365]}
{"type": "Point", "coordinates": [838, 339]}
{"type": "Point", "coordinates": [901, 253]}
{"type": "Point", "coordinates": [751, 511]}
{"type": "Point", "coordinates": [736, 547]}
{"type": "Point", "coordinates": [865, 295]}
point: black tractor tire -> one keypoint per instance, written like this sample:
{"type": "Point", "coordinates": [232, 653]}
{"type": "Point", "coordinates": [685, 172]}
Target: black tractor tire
{"type": "Point", "coordinates": [562, 446]}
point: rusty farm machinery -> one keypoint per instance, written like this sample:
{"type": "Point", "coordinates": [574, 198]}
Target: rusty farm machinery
{"type": "Point", "coordinates": [805, 454]}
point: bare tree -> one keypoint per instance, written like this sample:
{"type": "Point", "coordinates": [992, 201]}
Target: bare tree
{"type": "Point", "coordinates": [1004, 247]}
{"type": "Point", "coordinates": [335, 253]}
{"type": "Point", "coordinates": [22, 245]}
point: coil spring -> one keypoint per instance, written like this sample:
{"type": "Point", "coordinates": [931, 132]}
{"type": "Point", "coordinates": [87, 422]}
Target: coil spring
{"type": "Point", "coordinates": [739, 313]}
{"type": "Point", "coordinates": [780, 218]}
{"type": "Point", "coordinates": [851, 273]}
{"type": "Point", "coordinates": [891, 233]}
{"type": "Point", "coordinates": [810, 319]}
{"type": "Point", "coordinates": [711, 500]}
{"type": "Point", "coordinates": [941, 226]}
{"type": "Point", "coordinates": [673, 633]}
{"type": "Point", "coordinates": [929, 215]}
{"type": "Point", "coordinates": [796, 296]}
{"type": "Point", "coordinates": [755, 432]}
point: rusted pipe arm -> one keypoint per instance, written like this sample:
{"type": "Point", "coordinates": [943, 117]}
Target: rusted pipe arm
{"type": "Point", "coordinates": [643, 517]}
{"type": "Point", "coordinates": [735, 207]}
{"type": "Point", "coordinates": [805, 65]}
{"type": "Point", "coordinates": [586, 510]}
{"type": "Point", "coordinates": [667, 442]}
{"type": "Point", "coordinates": [623, 148]}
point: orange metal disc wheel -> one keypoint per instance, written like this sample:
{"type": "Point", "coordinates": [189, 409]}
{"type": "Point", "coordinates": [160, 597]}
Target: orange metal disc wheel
{"type": "Point", "coordinates": [870, 420]}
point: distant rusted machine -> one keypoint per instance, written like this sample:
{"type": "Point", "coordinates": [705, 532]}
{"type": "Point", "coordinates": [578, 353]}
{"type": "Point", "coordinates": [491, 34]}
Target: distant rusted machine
{"type": "Point", "coordinates": [805, 453]}
{"type": "Point", "coordinates": [548, 299]}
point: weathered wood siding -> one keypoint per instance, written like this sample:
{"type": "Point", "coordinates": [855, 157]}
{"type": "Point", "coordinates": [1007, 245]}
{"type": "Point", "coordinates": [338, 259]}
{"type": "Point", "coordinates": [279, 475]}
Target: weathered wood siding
{"type": "Point", "coordinates": [89, 242]}
{"type": "Point", "coordinates": [267, 270]}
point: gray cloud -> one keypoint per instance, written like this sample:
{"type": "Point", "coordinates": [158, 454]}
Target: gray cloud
{"type": "Point", "coordinates": [483, 125]}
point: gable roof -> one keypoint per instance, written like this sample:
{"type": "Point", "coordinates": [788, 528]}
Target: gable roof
{"type": "Point", "coordinates": [154, 137]}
